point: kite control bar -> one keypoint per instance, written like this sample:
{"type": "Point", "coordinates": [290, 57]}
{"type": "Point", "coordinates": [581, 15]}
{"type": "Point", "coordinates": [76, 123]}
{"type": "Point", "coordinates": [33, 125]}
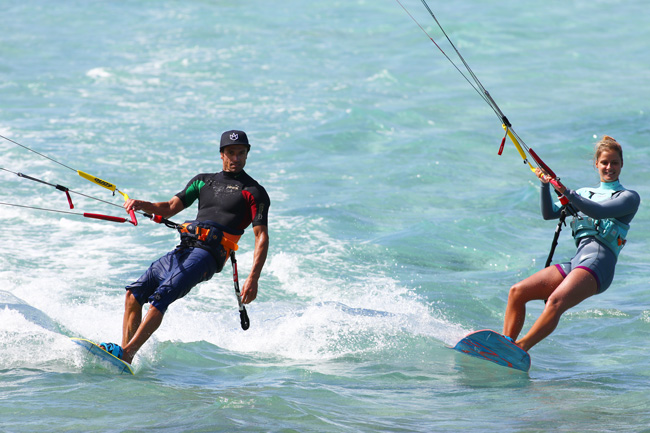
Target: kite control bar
{"type": "Point", "coordinates": [111, 187]}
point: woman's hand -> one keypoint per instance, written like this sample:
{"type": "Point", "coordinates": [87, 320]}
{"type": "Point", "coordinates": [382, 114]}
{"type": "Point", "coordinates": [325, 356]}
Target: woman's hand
{"type": "Point", "coordinates": [542, 176]}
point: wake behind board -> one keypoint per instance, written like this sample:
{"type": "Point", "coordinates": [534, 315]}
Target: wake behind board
{"type": "Point", "coordinates": [115, 363]}
{"type": "Point", "coordinates": [494, 347]}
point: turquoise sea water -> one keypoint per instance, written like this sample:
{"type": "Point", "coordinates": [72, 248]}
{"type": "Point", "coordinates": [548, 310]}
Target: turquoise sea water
{"type": "Point", "coordinates": [395, 227]}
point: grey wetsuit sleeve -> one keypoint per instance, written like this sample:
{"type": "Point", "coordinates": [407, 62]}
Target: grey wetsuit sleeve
{"type": "Point", "coordinates": [549, 210]}
{"type": "Point", "coordinates": [622, 206]}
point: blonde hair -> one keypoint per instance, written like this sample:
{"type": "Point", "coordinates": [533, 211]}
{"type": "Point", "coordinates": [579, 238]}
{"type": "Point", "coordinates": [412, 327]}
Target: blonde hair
{"type": "Point", "coordinates": [607, 143]}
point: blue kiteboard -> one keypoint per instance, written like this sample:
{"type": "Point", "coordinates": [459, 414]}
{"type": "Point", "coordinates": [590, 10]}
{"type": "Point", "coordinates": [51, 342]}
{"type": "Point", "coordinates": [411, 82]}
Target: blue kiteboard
{"type": "Point", "coordinates": [115, 363]}
{"type": "Point", "coordinates": [494, 347]}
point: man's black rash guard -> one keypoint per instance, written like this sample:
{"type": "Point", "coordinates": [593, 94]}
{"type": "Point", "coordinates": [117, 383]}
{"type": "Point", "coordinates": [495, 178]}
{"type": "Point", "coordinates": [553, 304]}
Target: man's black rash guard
{"type": "Point", "coordinates": [233, 200]}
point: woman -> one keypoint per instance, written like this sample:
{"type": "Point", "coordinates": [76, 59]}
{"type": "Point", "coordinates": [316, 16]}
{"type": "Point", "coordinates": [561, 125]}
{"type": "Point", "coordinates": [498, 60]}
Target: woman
{"type": "Point", "coordinates": [599, 231]}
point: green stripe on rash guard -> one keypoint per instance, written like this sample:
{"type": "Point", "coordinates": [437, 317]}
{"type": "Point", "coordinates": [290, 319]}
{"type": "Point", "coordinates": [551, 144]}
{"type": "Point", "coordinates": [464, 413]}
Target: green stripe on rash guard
{"type": "Point", "coordinates": [192, 192]}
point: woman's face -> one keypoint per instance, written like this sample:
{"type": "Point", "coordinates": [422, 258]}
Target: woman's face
{"type": "Point", "coordinates": [609, 166]}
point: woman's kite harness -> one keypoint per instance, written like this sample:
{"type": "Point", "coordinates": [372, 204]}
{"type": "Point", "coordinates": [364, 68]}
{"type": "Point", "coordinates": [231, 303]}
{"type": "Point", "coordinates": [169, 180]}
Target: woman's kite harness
{"type": "Point", "coordinates": [609, 231]}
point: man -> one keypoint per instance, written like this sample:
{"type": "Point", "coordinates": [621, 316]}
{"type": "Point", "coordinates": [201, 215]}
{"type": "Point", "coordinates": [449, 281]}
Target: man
{"type": "Point", "coordinates": [229, 201]}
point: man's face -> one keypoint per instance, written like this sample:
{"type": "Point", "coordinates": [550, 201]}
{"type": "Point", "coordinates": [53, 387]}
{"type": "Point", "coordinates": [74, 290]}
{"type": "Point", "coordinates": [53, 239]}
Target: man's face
{"type": "Point", "coordinates": [234, 157]}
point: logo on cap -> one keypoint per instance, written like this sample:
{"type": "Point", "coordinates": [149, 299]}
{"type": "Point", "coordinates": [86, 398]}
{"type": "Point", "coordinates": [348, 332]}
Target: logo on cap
{"type": "Point", "coordinates": [233, 136]}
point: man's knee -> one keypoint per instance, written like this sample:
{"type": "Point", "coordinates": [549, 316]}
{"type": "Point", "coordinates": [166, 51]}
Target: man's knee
{"type": "Point", "coordinates": [130, 300]}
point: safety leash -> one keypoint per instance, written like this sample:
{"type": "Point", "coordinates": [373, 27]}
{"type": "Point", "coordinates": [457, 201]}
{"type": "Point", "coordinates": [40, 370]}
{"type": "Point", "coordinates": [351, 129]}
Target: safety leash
{"type": "Point", "coordinates": [243, 315]}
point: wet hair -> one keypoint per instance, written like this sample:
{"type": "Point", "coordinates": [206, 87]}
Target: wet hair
{"type": "Point", "coordinates": [607, 143]}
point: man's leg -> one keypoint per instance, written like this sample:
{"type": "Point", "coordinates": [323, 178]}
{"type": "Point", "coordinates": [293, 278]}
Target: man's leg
{"type": "Point", "coordinates": [151, 322]}
{"type": "Point", "coordinates": [132, 317]}
{"type": "Point", "coordinates": [182, 270]}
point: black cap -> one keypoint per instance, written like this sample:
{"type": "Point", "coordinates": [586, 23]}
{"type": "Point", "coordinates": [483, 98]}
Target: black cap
{"type": "Point", "coordinates": [234, 136]}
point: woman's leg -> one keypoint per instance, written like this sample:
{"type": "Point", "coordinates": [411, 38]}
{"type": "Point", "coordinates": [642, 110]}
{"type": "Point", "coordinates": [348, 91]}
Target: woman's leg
{"type": "Point", "coordinates": [538, 286]}
{"type": "Point", "coordinates": [576, 287]}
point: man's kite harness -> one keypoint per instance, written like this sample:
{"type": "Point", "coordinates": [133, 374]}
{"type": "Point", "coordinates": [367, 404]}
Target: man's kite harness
{"type": "Point", "coordinates": [210, 235]}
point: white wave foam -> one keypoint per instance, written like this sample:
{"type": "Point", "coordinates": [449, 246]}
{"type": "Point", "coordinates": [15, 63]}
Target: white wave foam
{"type": "Point", "coordinates": [315, 303]}
{"type": "Point", "coordinates": [98, 73]}
{"type": "Point", "coordinates": [25, 344]}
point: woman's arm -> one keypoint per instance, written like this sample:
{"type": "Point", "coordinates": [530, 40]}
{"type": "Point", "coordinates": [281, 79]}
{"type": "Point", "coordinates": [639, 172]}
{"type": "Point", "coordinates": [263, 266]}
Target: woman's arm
{"type": "Point", "coordinates": [624, 204]}
{"type": "Point", "coordinates": [549, 210]}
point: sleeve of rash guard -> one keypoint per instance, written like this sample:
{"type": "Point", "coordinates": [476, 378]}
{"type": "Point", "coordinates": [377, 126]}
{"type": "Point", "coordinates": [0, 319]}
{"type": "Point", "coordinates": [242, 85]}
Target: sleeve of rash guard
{"type": "Point", "coordinates": [550, 210]}
{"type": "Point", "coordinates": [191, 191]}
{"type": "Point", "coordinates": [260, 204]}
{"type": "Point", "coordinates": [625, 203]}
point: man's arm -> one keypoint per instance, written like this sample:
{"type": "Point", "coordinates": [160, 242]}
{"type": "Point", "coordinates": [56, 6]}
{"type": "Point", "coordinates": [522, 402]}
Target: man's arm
{"type": "Point", "coordinates": [249, 293]}
{"type": "Point", "coordinates": [165, 209]}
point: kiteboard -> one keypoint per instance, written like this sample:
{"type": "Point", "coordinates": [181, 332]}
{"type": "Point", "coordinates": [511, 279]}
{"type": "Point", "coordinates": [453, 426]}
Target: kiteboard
{"type": "Point", "coordinates": [113, 361]}
{"type": "Point", "coordinates": [494, 347]}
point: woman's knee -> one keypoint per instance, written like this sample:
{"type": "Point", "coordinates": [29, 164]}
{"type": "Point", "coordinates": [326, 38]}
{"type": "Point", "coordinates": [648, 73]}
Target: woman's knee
{"type": "Point", "coordinates": [517, 293]}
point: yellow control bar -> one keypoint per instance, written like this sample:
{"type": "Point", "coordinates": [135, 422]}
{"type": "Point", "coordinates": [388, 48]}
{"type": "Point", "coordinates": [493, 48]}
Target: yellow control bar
{"type": "Point", "coordinates": [102, 183]}
{"type": "Point", "coordinates": [111, 187]}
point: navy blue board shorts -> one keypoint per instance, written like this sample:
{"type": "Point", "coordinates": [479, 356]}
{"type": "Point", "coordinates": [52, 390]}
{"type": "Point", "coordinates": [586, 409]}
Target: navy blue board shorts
{"type": "Point", "coordinates": [173, 276]}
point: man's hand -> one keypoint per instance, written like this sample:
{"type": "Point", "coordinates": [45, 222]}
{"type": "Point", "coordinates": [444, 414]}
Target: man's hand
{"type": "Point", "coordinates": [132, 204]}
{"type": "Point", "coordinates": [165, 209]}
{"type": "Point", "coordinates": [249, 293]}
